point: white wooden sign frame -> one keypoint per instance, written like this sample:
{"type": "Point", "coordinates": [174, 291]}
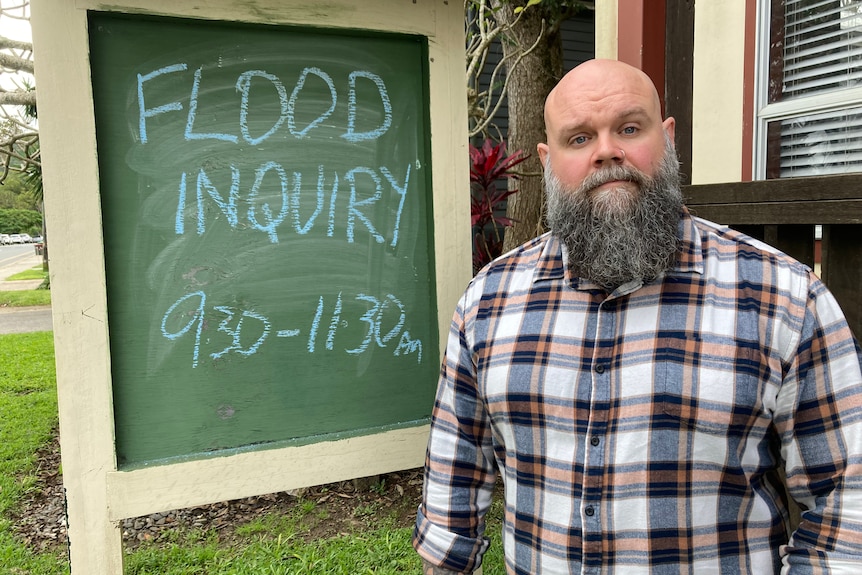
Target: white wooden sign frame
{"type": "Point", "coordinates": [98, 495]}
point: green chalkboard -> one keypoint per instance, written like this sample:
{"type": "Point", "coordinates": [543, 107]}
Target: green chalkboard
{"type": "Point", "coordinates": [267, 223]}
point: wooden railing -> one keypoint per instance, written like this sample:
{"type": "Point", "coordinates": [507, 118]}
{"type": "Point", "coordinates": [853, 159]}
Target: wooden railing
{"type": "Point", "coordinates": [784, 213]}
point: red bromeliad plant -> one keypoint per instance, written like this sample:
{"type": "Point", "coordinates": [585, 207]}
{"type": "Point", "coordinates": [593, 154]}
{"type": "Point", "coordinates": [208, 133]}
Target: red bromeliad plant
{"type": "Point", "coordinates": [488, 167]}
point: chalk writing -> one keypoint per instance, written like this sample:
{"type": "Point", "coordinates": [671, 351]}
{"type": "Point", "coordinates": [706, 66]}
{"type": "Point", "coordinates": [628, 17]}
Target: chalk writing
{"type": "Point", "coordinates": [269, 223]}
{"type": "Point", "coordinates": [345, 204]}
{"type": "Point", "coordinates": [362, 181]}
{"type": "Point", "coordinates": [291, 104]}
{"type": "Point", "coordinates": [366, 185]}
{"type": "Point", "coordinates": [287, 105]}
{"type": "Point", "coordinates": [225, 326]}
{"type": "Point", "coordinates": [196, 318]}
{"type": "Point", "coordinates": [235, 325]}
{"type": "Point", "coordinates": [372, 318]}
{"type": "Point", "coordinates": [150, 112]}
{"type": "Point", "coordinates": [243, 85]}
{"type": "Point", "coordinates": [351, 134]}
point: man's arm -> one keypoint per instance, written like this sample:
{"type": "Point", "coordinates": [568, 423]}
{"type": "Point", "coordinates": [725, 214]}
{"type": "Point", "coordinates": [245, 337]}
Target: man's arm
{"type": "Point", "coordinates": [459, 468]}
{"type": "Point", "coordinates": [819, 415]}
{"type": "Point", "coordinates": [428, 569]}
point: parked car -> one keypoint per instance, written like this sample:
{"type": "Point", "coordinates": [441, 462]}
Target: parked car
{"type": "Point", "coordinates": [15, 239]}
{"type": "Point", "coordinates": [4, 239]}
{"type": "Point", "coordinates": [37, 239]}
{"type": "Point", "coordinates": [25, 238]}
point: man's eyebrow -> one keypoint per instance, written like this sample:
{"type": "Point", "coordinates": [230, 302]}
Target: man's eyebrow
{"type": "Point", "coordinates": [578, 124]}
{"type": "Point", "coordinates": [635, 112]}
{"type": "Point", "coordinates": [573, 126]}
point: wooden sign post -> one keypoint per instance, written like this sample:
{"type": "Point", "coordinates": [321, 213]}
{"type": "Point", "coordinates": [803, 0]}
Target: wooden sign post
{"type": "Point", "coordinates": [259, 227]}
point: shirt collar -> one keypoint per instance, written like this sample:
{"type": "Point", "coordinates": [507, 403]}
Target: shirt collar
{"type": "Point", "coordinates": [551, 264]}
{"type": "Point", "coordinates": [690, 257]}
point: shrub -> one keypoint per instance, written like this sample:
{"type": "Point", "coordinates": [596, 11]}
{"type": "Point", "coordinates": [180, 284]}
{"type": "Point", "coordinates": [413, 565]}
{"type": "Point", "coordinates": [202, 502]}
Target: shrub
{"type": "Point", "coordinates": [14, 221]}
{"type": "Point", "coordinates": [490, 167]}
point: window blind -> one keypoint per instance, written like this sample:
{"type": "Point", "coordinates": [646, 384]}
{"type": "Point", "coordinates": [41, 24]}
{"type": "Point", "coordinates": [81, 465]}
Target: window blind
{"type": "Point", "coordinates": [821, 53]}
{"type": "Point", "coordinates": [821, 144]}
{"type": "Point", "coordinates": [822, 45]}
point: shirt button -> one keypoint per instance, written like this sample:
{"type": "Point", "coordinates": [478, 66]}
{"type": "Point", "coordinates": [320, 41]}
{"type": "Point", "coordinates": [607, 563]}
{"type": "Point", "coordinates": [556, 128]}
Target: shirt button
{"type": "Point", "coordinates": [600, 368]}
{"type": "Point", "coordinates": [594, 440]}
{"type": "Point", "coordinates": [589, 511]}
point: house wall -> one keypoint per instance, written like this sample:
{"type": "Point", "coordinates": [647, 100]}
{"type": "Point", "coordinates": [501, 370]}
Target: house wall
{"type": "Point", "coordinates": [606, 29]}
{"type": "Point", "coordinates": [718, 96]}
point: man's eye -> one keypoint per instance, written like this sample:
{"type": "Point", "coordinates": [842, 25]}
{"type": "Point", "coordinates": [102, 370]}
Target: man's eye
{"type": "Point", "coordinates": [579, 140]}
{"type": "Point", "coordinates": [630, 130]}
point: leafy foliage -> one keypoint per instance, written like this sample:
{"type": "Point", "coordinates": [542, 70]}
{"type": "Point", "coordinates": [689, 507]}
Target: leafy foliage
{"type": "Point", "coordinates": [19, 135]}
{"type": "Point", "coordinates": [489, 167]}
{"type": "Point", "coordinates": [20, 221]}
{"type": "Point", "coordinates": [17, 192]}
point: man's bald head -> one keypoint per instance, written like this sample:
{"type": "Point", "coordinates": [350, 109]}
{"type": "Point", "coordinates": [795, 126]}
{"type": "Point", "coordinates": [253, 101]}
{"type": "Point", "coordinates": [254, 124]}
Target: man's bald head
{"type": "Point", "coordinates": [596, 78]}
{"type": "Point", "coordinates": [601, 113]}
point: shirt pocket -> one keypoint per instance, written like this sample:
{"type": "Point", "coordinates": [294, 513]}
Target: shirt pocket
{"type": "Point", "coordinates": [712, 387]}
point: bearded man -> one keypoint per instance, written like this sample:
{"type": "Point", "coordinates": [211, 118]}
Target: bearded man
{"type": "Point", "coordinates": [642, 380]}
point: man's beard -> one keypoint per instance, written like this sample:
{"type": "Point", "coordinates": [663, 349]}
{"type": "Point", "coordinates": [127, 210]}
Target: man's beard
{"type": "Point", "coordinates": [616, 236]}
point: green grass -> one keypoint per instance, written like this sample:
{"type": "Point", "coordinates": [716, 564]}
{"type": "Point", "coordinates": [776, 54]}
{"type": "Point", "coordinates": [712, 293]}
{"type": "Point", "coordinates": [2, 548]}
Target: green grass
{"type": "Point", "coordinates": [28, 416]}
{"type": "Point", "coordinates": [273, 544]}
{"type": "Point", "coordinates": [24, 298]}
{"type": "Point", "coordinates": [36, 273]}
{"type": "Point", "coordinates": [382, 551]}
{"type": "Point", "coordinates": [280, 544]}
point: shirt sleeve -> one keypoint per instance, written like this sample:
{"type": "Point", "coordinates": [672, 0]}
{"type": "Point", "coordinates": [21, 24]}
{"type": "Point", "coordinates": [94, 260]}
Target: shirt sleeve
{"type": "Point", "coordinates": [459, 466]}
{"type": "Point", "coordinates": [820, 422]}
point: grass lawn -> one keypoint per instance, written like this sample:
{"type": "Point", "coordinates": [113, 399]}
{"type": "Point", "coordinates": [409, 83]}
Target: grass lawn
{"type": "Point", "coordinates": [298, 540]}
{"type": "Point", "coordinates": [285, 544]}
{"type": "Point", "coordinates": [36, 273]}
{"type": "Point", "coordinates": [25, 298]}
{"type": "Point", "coordinates": [22, 298]}
{"type": "Point", "coordinates": [28, 417]}
{"type": "Point", "coordinates": [282, 544]}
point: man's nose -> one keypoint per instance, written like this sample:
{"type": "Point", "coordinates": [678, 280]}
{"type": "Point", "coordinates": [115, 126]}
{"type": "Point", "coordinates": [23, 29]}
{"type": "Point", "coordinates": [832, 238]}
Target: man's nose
{"type": "Point", "coordinates": [607, 152]}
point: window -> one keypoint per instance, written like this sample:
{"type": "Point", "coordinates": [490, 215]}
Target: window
{"type": "Point", "coordinates": [810, 92]}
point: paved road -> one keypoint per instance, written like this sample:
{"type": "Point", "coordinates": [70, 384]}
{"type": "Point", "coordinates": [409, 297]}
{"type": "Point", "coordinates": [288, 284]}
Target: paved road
{"type": "Point", "coordinates": [24, 319]}
{"type": "Point", "coordinates": [14, 259]}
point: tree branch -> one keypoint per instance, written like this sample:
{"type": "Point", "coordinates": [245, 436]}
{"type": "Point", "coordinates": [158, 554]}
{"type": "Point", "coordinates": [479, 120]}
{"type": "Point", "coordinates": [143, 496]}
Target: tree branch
{"type": "Point", "coordinates": [16, 62]}
{"type": "Point", "coordinates": [482, 31]}
{"type": "Point", "coordinates": [489, 115]}
{"type": "Point", "coordinates": [18, 98]}
{"type": "Point", "coordinates": [10, 44]}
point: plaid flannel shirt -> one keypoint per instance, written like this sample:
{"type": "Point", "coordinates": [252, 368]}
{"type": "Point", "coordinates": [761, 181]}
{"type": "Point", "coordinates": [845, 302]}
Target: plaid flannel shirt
{"type": "Point", "coordinates": [643, 432]}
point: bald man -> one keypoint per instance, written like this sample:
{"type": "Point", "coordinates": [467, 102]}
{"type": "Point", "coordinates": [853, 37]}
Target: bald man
{"type": "Point", "coordinates": [641, 378]}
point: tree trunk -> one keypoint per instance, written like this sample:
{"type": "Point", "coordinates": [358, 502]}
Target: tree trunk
{"type": "Point", "coordinates": [529, 84]}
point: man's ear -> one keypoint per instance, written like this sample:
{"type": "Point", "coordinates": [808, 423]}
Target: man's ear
{"type": "Point", "coordinates": [669, 126]}
{"type": "Point", "coordinates": [543, 150]}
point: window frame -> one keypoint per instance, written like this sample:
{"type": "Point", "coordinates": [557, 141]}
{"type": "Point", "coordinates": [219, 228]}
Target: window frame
{"type": "Point", "coordinates": [766, 112]}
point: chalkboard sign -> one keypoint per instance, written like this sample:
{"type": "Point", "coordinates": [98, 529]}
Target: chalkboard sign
{"type": "Point", "coordinates": [267, 222]}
